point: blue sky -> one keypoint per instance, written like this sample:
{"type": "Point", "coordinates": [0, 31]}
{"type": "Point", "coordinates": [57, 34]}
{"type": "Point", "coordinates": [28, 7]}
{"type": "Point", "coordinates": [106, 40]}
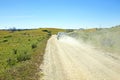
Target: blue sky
{"type": "Point", "coordinates": [59, 13]}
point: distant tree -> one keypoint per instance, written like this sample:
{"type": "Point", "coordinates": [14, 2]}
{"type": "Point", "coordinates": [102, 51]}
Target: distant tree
{"type": "Point", "coordinates": [12, 29]}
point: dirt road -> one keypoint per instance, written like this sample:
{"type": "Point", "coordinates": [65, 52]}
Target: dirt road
{"type": "Point", "coordinates": [66, 59]}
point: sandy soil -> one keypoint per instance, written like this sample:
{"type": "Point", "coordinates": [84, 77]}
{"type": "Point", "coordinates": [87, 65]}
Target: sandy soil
{"type": "Point", "coordinates": [67, 59]}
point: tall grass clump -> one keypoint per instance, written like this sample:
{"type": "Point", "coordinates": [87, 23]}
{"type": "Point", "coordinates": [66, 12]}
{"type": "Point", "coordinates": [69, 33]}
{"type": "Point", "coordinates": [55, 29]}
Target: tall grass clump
{"type": "Point", "coordinates": [23, 57]}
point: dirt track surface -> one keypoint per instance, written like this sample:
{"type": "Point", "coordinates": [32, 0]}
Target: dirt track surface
{"type": "Point", "coordinates": [66, 59]}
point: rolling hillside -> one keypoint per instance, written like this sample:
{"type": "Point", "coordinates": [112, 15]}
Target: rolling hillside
{"type": "Point", "coordinates": [21, 53]}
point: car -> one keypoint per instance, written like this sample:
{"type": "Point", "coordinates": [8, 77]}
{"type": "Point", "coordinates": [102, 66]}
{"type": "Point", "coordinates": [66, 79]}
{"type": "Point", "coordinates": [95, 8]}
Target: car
{"type": "Point", "coordinates": [60, 35]}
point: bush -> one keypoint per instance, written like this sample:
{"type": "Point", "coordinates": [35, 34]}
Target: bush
{"type": "Point", "coordinates": [11, 61]}
{"type": "Point", "coordinates": [15, 51]}
{"type": "Point", "coordinates": [7, 36]}
{"type": "Point", "coordinates": [28, 39]}
{"type": "Point", "coordinates": [23, 57]}
{"type": "Point", "coordinates": [5, 40]}
{"type": "Point", "coordinates": [45, 30]}
{"type": "Point", "coordinates": [34, 46]}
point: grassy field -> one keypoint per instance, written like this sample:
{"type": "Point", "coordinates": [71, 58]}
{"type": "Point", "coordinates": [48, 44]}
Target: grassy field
{"type": "Point", "coordinates": [106, 39]}
{"type": "Point", "coordinates": [21, 53]}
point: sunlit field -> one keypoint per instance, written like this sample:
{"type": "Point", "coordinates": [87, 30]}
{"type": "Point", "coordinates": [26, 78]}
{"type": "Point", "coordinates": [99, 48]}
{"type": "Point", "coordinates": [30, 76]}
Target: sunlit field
{"type": "Point", "coordinates": [21, 52]}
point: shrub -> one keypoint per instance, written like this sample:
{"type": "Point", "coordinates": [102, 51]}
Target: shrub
{"type": "Point", "coordinates": [23, 57]}
{"type": "Point", "coordinates": [34, 46]}
{"type": "Point", "coordinates": [15, 51]}
{"type": "Point", "coordinates": [7, 36]}
{"type": "Point", "coordinates": [5, 40]}
{"type": "Point", "coordinates": [49, 32]}
{"type": "Point", "coordinates": [45, 30]}
{"type": "Point", "coordinates": [28, 39]}
{"type": "Point", "coordinates": [11, 61]}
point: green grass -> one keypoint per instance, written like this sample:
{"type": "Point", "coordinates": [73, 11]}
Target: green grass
{"type": "Point", "coordinates": [106, 39]}
{"type": "Point", "coordinates": [21, 53]}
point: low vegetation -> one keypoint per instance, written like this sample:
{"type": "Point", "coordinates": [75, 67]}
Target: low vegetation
{"type": "Point", "coordinates": [21, 52]}
{"type": "Point", "coordinates": [104, 38]}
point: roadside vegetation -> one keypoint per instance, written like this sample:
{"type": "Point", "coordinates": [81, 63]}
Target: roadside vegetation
{"type": "Point", "coordinates": [21, 52]}
{"type": "Point", "coordinates": [106, 39]}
